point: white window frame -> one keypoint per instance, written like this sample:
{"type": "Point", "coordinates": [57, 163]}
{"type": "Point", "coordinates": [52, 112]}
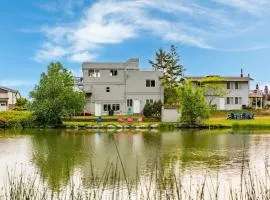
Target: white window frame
{"type": "Point", "coordinates": [113, 72]}
{"type": "Point", "coordinates": [129, 103]}
{"type": "Point", "coordinates": [152, 83]}
{"type": "Point", "coordinates": [94, 73]}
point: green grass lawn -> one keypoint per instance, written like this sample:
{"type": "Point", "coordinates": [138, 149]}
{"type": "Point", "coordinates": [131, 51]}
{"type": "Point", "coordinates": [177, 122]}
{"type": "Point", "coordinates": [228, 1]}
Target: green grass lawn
{"type": "Point", "coordinates": [258, 122]}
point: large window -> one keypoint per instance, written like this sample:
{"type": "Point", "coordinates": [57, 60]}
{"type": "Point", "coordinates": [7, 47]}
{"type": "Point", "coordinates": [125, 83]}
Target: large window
{"type": "Point", "coordinates": [114, 107]}
{"type": "Point", "coordinates": [113, 72]}
{"type": "Point", "coordinates": [150, 83]}
{"type": "Point", "coordinates": [129, 103]}
{"type": "Point", "coordinates": [94, 73]}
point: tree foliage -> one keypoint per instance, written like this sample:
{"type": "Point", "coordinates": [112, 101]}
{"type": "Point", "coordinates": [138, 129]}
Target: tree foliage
{"type": "Point", "coordinates": [193, 105]}
{"type": "Point", "coordinates": [54, 97]}
{"type": "Point", "coordinates": [152, 110]}
{"type": "Point", "coordinates": [21, 104]}
{"type": "Point", "coordinates": [213, 87]}
{"type": "Point", "coordinates": [169, 64]}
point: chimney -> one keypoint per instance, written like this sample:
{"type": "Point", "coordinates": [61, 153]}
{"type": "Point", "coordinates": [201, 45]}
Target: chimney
{"type": "Point", "coordinates": [242, 74]}
{"type": "Point", "coordinates": [266, 90]}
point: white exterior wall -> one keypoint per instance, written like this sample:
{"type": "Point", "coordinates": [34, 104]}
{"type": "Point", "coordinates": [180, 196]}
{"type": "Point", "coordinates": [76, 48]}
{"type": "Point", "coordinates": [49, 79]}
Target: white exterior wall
{"type": "Point", "coordinates": [242, 92]}
{"type": "Point", "coordinates": [170, 115]}
{"type": "Point", "coordinates": [130, 83]}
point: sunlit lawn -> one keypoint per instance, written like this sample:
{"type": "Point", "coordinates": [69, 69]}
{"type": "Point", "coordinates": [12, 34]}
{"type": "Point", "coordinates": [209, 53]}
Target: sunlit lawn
{"type": "Point", "coordinates": [258, 122]}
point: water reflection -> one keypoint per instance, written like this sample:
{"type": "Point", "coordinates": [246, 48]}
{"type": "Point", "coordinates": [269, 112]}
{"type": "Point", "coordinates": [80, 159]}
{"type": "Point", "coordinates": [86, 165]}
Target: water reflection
{"type": "Point", "coordinates": [59, 155]}
{"type": "Point", "coordinates": [56, 154]}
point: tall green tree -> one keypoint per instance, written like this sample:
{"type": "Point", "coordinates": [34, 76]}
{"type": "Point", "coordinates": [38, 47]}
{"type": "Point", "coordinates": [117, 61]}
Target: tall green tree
{"type": "Point", "coordinates": [193, 105]}
{"type": "Point", "coordinates": [54, 97]}
{"type": "Point", "coordinates": [213, 87]}
{"type": "Point", "coordinates": [173, 72]}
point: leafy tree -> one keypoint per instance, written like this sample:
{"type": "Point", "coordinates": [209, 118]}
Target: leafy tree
{"type": "Point", "coordinates": [213, 88]}
{"type": "Point", "coordinates": [152, 109]}
{"type": "Point", "coordinates": [21, 104]}
{"type": "Point", "coordinates": [168, 63]}
{"type": "Point", "coordinates": [193, 105]}
{"type": "Point", "coordinates": [147, 110]}
{"type": "Point", "coordinates": [54, 97]}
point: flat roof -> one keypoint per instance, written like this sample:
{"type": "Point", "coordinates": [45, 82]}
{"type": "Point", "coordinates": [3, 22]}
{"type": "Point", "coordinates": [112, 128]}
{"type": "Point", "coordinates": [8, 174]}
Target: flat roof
{"type": "Point", "coordinates": [225, 78]}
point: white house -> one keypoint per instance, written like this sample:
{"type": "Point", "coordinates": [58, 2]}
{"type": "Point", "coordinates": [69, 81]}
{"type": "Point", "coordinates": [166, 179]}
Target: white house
{"type": "Point", "coordinates": [119, 86]}
{"type": "Point", "coordinates": [237, 95]}
{"type": "Point", "coordinates": [8, 98]}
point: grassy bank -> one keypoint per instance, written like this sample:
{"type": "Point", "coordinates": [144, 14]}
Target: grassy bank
{"type": "Point", "coordinates": [262, 122]}
{"type": "Point", "coordinates": [117, 125]}
{"type": "Point", "coordinates": [16, 119]}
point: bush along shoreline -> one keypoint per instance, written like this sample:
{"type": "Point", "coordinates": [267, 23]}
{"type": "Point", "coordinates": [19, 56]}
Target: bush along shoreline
{"type": "Point", "coordinates": [25, 119]}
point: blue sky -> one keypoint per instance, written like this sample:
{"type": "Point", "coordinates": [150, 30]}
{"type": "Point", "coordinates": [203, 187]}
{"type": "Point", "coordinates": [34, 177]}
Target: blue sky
{"type": "Point", "coordinates": [212, 36]}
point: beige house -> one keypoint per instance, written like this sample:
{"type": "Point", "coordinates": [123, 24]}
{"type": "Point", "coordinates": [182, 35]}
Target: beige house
{"type": "Point", "coordinates": [237, 88]}
{"type": "Point", "coordinates": [8, 98]}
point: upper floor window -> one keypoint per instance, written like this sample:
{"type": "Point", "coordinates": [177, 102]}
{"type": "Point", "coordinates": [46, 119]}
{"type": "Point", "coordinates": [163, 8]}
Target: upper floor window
{"type": "Point", "coordinates": [150, 83]}
{"type": "Point", "coordinates": [113, 72]}
{"type": "Point", "coordinates": [94, 73]}
{"type": "Point", "coordinates": [237, 85]}
{"type": "Point", "coordinates": [107, 89]}
{"type": "Point", "coordinates": [228, 85]}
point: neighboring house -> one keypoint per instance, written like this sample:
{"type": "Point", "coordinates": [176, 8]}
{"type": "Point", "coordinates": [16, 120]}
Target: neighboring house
{"type": "Point", "coordinates": [266, 97]}
{"type": "Point", "coordinates": [237, 95]}
{"type": "Point", "coordinates": [258, 98]}
{"type": "Point", "coordinates": [8, 98]}
{"type": "Point", "coordinates": [121, 87]}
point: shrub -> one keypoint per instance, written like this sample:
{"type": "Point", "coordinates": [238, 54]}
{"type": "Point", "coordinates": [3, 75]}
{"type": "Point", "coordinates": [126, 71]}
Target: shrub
{"type": "Point", "coordinates": [19, 119]}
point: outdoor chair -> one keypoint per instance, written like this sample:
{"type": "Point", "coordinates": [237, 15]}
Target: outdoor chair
{"type": "Point", "coordinates": [129, 119]}
{"type": "Point", "coordinates": [120, 119]}
{"type": "Point", "coordinates": [99, 119]}
{"type": "Point", "coordinates": [140, 119]}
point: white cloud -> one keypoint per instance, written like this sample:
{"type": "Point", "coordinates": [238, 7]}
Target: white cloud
{"type": "Point", "coordinates": [50, 52]}
{"type": "Point", "coordinates": [255, 7]}
{"type": "Point", "coordinates": [110, 22]}
{"type": "Point", "coordinates": [60, 6]}
{"type": "Point", "coordinates": [82, 57]}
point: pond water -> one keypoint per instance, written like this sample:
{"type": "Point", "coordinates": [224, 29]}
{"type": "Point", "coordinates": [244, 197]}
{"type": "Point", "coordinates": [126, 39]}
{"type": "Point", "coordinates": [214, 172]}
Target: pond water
{"type": "Point", "coordinates": [219, 158]}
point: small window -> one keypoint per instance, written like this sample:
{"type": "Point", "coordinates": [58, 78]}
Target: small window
{"type": "Point", "coordinates": [129, 103]}
{"type": "Point", "coordinates": [3, 104]}
{"type": "Point", "coordinates": [236, 100]}
{"type": "Point", "coordinates": [115, 107]}
{"type": "Point", "coordinates": [107, 89]}
{"type": "Point", "coordinates": [148, 83]}
{"type": "Point", "coordinates": [153, 83]}
{"type": "Point", "coordinates": [149, 101]}
{"type": "Point", "coordinates": [105, 107]}
{"type": "Point", "coordinates": [93, 73]}
{"type": "Point", "coordinates": [236, 85]}
{"type": "Point", "coordinates": [228, 85]}
{"type": "Point", "coordinates": [113, 72]}
{"type": "Point", "coordinates": [228, 100]}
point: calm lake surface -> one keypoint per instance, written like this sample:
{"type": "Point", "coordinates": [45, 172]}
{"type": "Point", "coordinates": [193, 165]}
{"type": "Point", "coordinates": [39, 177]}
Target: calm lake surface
{"type": "Point", "coordinates": [59, 157]}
